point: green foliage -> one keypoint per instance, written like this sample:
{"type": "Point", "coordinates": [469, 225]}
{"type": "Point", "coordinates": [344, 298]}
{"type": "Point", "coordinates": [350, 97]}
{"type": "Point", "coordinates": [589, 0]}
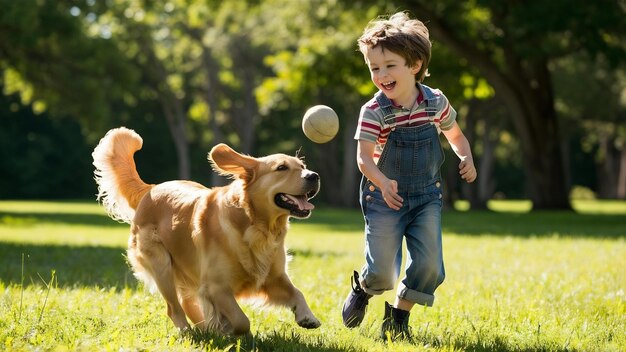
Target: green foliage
{"type": "Point", "coordinates": [188, 74]}
{"type": "Point", "coordinates": [41, 157]}
{"type": "Point", "coordinates": [46, 49]}
{"type": "Point", "coordinates": [516, 280]}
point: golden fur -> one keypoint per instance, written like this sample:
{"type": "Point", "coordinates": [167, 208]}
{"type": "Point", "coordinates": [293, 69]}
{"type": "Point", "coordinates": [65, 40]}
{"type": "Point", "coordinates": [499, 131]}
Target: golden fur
{"type": "Point", "coordinates": [204, 248]}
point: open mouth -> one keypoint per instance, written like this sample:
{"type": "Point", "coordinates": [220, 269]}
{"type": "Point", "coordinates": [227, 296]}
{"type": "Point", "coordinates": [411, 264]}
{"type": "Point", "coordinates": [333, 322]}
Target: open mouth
{"type": "Point", "coordinates": [388, 85]}
{"type": "Point", "coordinates": [298, 205]}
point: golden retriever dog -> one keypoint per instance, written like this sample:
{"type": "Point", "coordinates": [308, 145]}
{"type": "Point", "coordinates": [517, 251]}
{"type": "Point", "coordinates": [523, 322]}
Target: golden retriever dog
{"type": "Point", "coordinates": [206, 248]}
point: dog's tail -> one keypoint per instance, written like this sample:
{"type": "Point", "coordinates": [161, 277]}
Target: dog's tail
{"type": "Point", "coordinates": [119, 186]}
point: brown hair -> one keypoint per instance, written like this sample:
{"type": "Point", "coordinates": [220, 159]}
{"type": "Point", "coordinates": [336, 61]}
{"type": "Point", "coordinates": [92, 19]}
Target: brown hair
{"type": "Point", "coordinates": [402, 35]}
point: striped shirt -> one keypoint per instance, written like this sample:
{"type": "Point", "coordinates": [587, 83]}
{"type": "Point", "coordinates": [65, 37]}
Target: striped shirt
{"type": "Point", "coordinates": [372, 126]}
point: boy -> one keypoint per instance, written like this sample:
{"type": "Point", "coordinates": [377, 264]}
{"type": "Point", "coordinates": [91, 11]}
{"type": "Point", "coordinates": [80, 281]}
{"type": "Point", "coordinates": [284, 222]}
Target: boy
{"type": "Point", "coordinates": [400, 156]}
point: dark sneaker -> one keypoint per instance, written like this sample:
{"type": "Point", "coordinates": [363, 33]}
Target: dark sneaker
{"type": "Point", "coordinates": [355, 304]}
{"type": "Point", "coordinates": [395, 324]}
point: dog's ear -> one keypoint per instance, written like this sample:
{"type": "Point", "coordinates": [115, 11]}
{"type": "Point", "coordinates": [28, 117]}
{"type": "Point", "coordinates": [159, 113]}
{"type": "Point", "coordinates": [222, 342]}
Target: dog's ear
{"type": "Point", "coordinates": [228, 162]}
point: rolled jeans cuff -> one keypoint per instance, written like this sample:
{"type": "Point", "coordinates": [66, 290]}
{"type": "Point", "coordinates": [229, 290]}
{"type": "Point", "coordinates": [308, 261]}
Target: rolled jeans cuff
{"type": "Point", "coordinates": [371, 291]}
{"type": "Point", "coordinates": [413, 296]}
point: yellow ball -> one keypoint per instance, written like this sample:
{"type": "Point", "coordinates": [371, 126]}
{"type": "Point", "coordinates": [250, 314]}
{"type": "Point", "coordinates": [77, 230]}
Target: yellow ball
{"type": "Point", "coordinates": [320, 124]}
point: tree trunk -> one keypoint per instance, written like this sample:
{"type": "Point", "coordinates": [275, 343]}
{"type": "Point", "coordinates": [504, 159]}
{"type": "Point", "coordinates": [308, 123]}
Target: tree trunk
{"type": "Point", "coordinates": [172, 108]}
{"type": "Point", "coordinates": [247, 119]}
{"type": "Point", "coordinates": [350, 175]}
{"type": "Point", "coordinates": [482, 189]}
{"type": "Point", "coordinates": [610, 168]}
{"type": "Point", "coordinates": [211, 99]}
{"type": "Point", "coordinates": [177, 125]}
{"type": "Point", "coordinates": [526, 89]}
{"type": "Point", "coordinates": [329, 163]}
{"type": "Point", "coordinates": [211, 67]}
{"type": "Point", "coordinates": [486, 184]}
{"type": "Point", "coordinates": [245, 114]}
{"type": "Point", "coordinates": [621, 179]}
{"type": "Point", "coordinates": [451, 180]}
{"type": "Point", "coordinates": [537, 128]}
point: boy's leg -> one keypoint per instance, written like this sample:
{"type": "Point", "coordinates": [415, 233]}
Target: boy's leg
{"type": "Point", "coordinates": [424, 266]}
{"type": "Point", "coordinates": [384, 232]}
{"type": "Point", "coordinates": [383, 255]}
{"type": "Point", "coordinates": [395, 323]}
{"type": "Point", "coordinates": [424, 270]}
{"type": "Point", "coordinates": [403, 304]}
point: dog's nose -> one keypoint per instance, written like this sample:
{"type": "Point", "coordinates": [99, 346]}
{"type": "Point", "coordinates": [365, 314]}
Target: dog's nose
{"type": "Point", "coordinates": [312, 176]}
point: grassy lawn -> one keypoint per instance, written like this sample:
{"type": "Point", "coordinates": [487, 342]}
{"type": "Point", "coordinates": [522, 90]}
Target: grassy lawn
{"type": "Point", "coordinates": [516, 281]}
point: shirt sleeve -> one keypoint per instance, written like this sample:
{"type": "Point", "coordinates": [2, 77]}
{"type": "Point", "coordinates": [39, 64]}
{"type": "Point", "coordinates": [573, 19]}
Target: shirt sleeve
{"type": "Point", "coordinates": [369, 126]}
{"type": "Point", "coordinates": [446, 114]}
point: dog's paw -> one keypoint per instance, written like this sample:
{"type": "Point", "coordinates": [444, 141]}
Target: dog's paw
{"type": "Point", "coordinates": [186, 332]}
{"type": "Point", "coordinates": [309, 323]}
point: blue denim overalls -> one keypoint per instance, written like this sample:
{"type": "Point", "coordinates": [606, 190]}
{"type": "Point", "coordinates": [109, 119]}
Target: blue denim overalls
{"type": "Point", "coordinates": [412, 156]}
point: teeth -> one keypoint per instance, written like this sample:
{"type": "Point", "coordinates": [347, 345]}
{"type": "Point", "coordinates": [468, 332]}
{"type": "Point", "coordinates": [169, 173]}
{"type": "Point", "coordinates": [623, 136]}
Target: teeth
{"type": "Point", "coordinates": [286, 199]}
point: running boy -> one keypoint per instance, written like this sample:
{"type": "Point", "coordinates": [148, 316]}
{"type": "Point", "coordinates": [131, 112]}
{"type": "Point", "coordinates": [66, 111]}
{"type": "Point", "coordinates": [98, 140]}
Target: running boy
{"type": "Point", "coordinates": [399, 155]}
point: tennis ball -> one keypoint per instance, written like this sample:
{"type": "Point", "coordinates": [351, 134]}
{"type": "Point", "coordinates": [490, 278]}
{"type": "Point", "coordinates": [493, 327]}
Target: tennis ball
{"type": "Point", "coordinates": [320, 124]}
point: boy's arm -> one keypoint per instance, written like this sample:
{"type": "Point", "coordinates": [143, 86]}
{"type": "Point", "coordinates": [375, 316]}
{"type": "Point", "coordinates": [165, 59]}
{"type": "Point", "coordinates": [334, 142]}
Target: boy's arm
{"type": "Point", "coordinates": [365, 161]}
{"type": "Point", "coordinates": [461, 147]}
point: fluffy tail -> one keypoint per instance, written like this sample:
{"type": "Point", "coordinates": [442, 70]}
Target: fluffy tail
{"type": "Point", "coordinates": [119, 186]}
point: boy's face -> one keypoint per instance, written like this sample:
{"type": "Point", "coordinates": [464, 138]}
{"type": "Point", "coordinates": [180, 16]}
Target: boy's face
{"type": "Point", "coordinates": [391, 74]}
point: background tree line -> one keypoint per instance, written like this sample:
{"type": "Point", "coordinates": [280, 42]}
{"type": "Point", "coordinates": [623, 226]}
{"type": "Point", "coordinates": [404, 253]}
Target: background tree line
{"type": "Point", "coordinates": [540, 89]}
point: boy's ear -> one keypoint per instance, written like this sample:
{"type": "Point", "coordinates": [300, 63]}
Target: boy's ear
{"type": "Point", "coordinates": [416, 67]}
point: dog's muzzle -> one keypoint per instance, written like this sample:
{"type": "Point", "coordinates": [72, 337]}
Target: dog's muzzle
{"type": "Point", "coordinates": [299, 205]}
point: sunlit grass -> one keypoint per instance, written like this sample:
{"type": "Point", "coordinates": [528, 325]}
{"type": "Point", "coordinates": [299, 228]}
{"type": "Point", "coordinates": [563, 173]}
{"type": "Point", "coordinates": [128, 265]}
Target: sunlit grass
{"type": "Point", "coordinates": [72, 223]}
{"type": "Point", "coordinates": [580, 206]}
{"type": "Point", "coordinates": [58, 207]}
{"type": "Point", "coordinates": [613, 207]}
{"type": "Point", "coordinates": [515, 281]}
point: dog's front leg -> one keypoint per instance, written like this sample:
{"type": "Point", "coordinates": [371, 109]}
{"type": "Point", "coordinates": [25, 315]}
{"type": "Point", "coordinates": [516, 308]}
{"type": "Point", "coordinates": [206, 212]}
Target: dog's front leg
{"type": "Point", "coordinates": [281, 291]}
{"type": "Point", "coordinates": [218, 303]}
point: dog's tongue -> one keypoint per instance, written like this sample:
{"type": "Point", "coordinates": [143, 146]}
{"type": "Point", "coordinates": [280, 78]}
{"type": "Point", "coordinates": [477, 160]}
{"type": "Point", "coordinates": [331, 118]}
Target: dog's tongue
{"type": "Point", "coordinates": [302, 202]}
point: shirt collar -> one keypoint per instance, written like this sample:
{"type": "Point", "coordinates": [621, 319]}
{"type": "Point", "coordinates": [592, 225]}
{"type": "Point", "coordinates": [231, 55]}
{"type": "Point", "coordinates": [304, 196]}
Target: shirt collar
{"type": "Point", "coordinates": [422, 95]}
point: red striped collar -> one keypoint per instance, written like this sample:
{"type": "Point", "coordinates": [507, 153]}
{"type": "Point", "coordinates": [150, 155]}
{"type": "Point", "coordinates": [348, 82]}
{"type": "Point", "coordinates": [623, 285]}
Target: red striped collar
{"type": "Point", "coordinates": [419, 99]}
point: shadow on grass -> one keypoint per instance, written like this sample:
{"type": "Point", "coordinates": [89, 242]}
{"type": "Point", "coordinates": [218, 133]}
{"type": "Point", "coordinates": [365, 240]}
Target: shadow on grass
{"type": "Point", "coordinates": [472, 223]}
{"type": "Point", "coordinates": [307, 253]}
{"type": "Point", "coordinates": [74, 266]}
{"type": "Point", "coordinates": [33, 218]}
{"type": "Point", "coordinates": [478, 223]}
{"type": "Point", "coordinates": [292, 341]}
{"type": "Point", "coordinates": [535, 224]}
{"type": "Point", "coordinates": [275, 341]}
{"type": "Point", "coordinates": [107, 267]}
{"type": "Point", "coordinates": [78, 266]}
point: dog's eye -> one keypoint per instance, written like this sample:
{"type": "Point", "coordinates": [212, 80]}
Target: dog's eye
{"type": "Point", "coordinates": [282, 167]}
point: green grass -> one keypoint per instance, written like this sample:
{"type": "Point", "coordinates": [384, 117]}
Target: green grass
{"type": "Point", "coordinates": [516, 281]}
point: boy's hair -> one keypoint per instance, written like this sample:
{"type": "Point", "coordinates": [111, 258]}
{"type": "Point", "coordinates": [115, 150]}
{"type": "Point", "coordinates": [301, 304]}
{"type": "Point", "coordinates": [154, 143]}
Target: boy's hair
{"type": "Point", "coordinates": [402, 35]}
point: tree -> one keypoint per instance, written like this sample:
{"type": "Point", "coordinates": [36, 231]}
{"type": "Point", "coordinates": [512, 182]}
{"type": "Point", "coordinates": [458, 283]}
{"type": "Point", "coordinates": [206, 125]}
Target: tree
{"type": "Point", "coordinates": [197, 60]}
{"type": "Point", "coordinates": [52, 62]}
{"type": "Point", "coordinates": [513, 45]}
{"type": "Point", "coordinates": [590, 99]}
{"type": "Point", "coordinates": [315, 61]}
{"type": "Point", "coordinates": [42, 157]}
{"type": "Point", "coordinates": [244, 72]}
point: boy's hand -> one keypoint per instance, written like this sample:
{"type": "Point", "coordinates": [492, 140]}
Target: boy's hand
{"type": "Point", "coordinates": [390, 194]}
{"type": "Point", "coordinates": [467, 170]}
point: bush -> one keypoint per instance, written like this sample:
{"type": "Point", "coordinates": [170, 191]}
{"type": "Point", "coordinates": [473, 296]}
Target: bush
{"type": "Point", "coordinates": [581, 193]}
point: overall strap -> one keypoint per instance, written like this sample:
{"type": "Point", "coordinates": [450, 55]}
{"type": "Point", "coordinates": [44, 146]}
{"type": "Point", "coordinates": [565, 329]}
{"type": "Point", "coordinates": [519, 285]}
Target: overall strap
{"type": "Point", "coordinates": [385, 105]}
{"type": "Point", "coordinates": [431, 102]}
